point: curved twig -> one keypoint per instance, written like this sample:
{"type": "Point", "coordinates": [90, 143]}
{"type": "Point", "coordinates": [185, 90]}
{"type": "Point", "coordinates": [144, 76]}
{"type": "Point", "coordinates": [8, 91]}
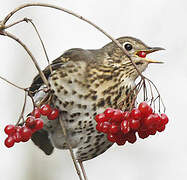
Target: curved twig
{"type": "Point", "coordinates": [30, 54]}
{"type": "Point", "coordinates": [12, 83]}
{"type": "Point", "coordinates": [23, 109]}
{"type": "Point", "coordinates": [43, 46]}
{"type": "Point", "coordinates": [78, 16]}
{"type": "Point", "coordinates": [69, 147]}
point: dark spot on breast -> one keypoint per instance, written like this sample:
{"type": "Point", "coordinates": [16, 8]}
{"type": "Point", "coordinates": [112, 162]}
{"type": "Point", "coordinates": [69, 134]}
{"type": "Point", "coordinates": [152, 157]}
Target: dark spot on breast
{"type": "Point", "coordinates": [94, 97]}
{"type": "Point", "coordinates": [101, 102]}
{"type": "Point", "coordinates": [88, 139]}
{"type": "Point", "coordinates": [79, 105]}
{"type": "Point", "coordinates": [86, 114]}
{"type": "Point", "coordinates": [87, 146]}
{"type": "Point", "coordinates": [80, 96]}
{"type": "Point", "coordinates": [63, 74]}
{"type": "Point", "coordinates": [71, 120]}
{"type": "Point", "coordinates": [65, 92]}
{"type": "Point", "coordinates": [84, 106]}
{"type": "Point", "coordinates": [54, 78]}
{"type": "Point", "coordinates": [55, 84]}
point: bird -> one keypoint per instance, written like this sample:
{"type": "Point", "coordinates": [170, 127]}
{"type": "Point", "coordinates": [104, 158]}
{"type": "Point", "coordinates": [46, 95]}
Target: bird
{"type": "Point", "coordinates": [83, 83]}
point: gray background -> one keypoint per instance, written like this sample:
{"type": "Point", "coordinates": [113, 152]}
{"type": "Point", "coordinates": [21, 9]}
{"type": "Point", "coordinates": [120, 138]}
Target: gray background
{"type": "Point", "coordinates": [157, 23]}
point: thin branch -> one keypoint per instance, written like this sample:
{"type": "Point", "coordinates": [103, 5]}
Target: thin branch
{"type": "Point", "coordinates": [30, 54]}
{"type": "Point", "coordinates": [83, 170]}
{"type": "Point", "coordinates": [43, 46]}
{"type": "Point", "coordinates": [78, 16]}
{"type": "Point", "coordinates": [69, 147]}
{"type": "Point", "coordinates": [12, 83]}
{"type": "Point", "coordinates": [23, 109]}
{"type": "Point", "coordinates": [17, 22]}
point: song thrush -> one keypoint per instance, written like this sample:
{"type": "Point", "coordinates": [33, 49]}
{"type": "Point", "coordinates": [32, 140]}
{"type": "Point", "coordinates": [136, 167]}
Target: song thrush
{"type": "Point", "coordinates": [85, 83]}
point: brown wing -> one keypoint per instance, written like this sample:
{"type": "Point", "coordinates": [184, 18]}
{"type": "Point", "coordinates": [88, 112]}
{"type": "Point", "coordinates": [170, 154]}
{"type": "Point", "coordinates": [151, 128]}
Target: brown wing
{"type": "Point", "coordinates": [75, 54]}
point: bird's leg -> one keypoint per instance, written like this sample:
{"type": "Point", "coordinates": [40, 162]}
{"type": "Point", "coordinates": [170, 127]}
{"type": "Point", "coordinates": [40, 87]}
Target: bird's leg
{"type": "Point", "coordinates": [83, 170]}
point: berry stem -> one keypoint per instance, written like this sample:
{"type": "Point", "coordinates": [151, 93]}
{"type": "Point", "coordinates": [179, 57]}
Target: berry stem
{"type": "Point", "coordinates": [23, 109]}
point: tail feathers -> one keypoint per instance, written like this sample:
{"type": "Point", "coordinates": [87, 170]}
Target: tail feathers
{"type": "Point", "coordinates": [41, 139]}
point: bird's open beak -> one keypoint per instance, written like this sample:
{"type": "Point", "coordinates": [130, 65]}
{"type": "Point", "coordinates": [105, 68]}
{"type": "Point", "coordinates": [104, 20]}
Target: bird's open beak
{"type": "Point", "coordinates": [148, 51]}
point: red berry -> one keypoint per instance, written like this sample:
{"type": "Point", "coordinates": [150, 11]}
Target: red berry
{"type": "Point", "coordinates": [145, 109]}
{"type": "Point", "coordinates": [125, 128]}
{"type": "Point", "coordinates": [105, 127]}
{"type": "Point", "coordinates": [141, 54]}
{"type": "Point", "coordinates": [131, 137]}
{"type": "Point", "coordinates": [9, 141]}
{"type": "Point", "coordinates": [100, 118]}
{"type": "Point", "coordinates": [117, 116]}
{"type": "Point", "coordinates": [54, 114]}
{"type": "Point", "coordinates": [151, 132]}
{"type": "Point", "coordinates": [120, 139]}
{"type": "Point", "coordinates": [10, 129]}
{"type": "Point", "coordinates": [114, 128]}
{"type": "Point", "coordinates": [18, 129]}
{"type": "Point", "coordinates": [143, 134]}
{"type": "Point", "coordinates": [126, 115]}
{"type": "Point", "coordinates": [17, 137]}
{"type": "Point", "coordinates": [111, 137]}
{"type": "Point", "coordinates": [136, 114]}
{"type": "Point", "coordinates": [30, 122]}
{"type": "Point", "coordinates": [121, 142]}
{"type": "Point", "coordinates": [164, 119]}
{"type": "Point", "coordinates": [25, 139]}
{"type": "Point", "coordinates": [39, 124]}
{"type": "Point", "coordinates": [109, 112]}
{"type": "Point", "coordinates": [99, 126]}
{"type": "Point", "coordinates": [26, 133]}
{"type": "Point", "coordinates": [134, 123]}
{"type": "Point", "coordinates": [149, 121]}
{"type": "Point", "coordinates": [45, 109]}
{"type": "Point", "coordinates": [162, 128]}
{"type": "Point", "coordinates": [36, 112]}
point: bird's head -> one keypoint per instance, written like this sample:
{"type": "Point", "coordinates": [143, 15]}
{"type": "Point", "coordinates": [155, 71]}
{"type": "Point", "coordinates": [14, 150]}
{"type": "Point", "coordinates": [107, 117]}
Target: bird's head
{"type": "Point", "coordinates": [137, 51]}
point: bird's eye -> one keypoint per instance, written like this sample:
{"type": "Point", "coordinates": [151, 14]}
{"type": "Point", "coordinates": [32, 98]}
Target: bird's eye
{"type": "Point", "coordinates": [128, 46]}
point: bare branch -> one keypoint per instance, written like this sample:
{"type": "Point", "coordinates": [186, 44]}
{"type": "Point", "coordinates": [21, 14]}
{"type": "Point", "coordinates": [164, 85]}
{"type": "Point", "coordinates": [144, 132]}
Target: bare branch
{"type": "Point", "coordinates": [78, 16]}
{"type": "Point", "coordinates": [23, 109]}
{"type": "Point", "coordinates": [30, 54]}
{"type": "Point", "coordinates": [43, 46]}
{"type": "Point", "coordinates": [17, 22]}
{"type": "Point", "coordinates": [12, 83]}
{"type": "Point", "coordinates": [69, 147]}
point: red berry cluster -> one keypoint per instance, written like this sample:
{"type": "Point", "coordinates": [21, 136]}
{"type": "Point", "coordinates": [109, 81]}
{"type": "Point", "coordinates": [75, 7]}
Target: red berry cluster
{"type": "Point", "coordinates": [23, 133]}
{"type": "Point", "coordinates": [32, 124]}
{"type": "Point", "coordinates": [46, 110]}
{"type": "Point", "coordinates": [122, 126]}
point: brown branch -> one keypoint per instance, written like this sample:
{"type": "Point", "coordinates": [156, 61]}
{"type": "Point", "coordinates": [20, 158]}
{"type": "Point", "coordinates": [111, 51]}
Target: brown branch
{"type": "Point", "coordinates": [23, 109]}
{"type": "Point", "coordinates": [83, 170]}
{"type": "Point", "coordinates": [30, 54]}
{"type": "Point", "coordinates": [17, 22]}
{"type": "Point", "coordinates": [12, 83]}
{"type": "Point", "coordinates": [78, 16]}
{"type": "Point", "coordinates": [43, 46]}
{"type": "Point", "coordinates": [69, 147]}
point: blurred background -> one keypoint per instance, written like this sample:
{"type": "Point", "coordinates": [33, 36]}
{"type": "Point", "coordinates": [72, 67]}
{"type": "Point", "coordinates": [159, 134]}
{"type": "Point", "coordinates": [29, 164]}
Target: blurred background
{"type": "Point", "coordinates": [156, 22]}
